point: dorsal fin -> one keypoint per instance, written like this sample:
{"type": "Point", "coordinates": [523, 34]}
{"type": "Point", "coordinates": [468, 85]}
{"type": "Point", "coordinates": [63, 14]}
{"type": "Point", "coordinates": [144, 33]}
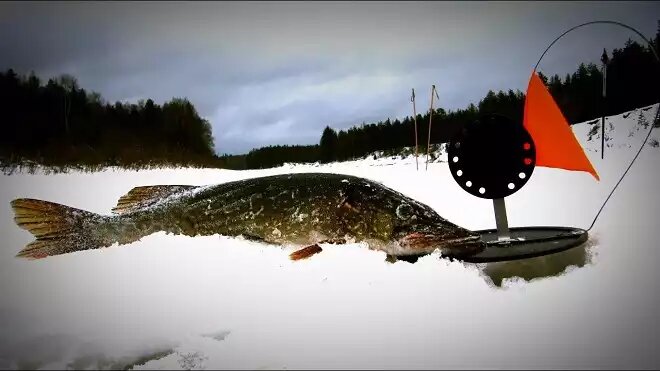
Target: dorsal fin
{"type": "Point", "coordinates": [140, 197]}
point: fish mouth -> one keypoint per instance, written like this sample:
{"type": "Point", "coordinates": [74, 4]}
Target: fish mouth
{"type": "Point", "coordinates": [424, 243]}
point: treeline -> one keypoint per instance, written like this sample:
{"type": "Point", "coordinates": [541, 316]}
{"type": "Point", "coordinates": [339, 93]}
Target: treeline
{"type": "Point", "coordinates": [276, 155]}
{"type": "Point", "coordinates": [633, 77]}
{"type": "Point", "coordinates": [60, 124]}
{"type": "Point", "coordinates": [360, 141]}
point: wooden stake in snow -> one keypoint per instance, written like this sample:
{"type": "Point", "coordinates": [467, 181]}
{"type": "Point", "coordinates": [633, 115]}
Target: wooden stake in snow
{"type": "Point", "coordinates": [428, 147]}
{"type": "Point", "coordinates": [412, 99]}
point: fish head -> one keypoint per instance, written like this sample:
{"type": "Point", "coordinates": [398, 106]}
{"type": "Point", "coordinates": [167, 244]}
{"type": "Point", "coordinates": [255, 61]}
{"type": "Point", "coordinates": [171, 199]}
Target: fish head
{"type": "Point", "coordinates": [419, 230]}
{"type": "Point", "coordinates": [412, 227]}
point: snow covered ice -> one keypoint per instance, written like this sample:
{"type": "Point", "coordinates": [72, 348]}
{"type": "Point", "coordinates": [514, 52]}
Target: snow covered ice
{"type": "Point", "coordinates": [221, 302]}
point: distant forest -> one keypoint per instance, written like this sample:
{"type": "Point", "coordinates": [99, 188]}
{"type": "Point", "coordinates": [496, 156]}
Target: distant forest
{"type": "Point", "coordinates": [633, 78]}
{"type": "Point", "coordinates": [59, 124]}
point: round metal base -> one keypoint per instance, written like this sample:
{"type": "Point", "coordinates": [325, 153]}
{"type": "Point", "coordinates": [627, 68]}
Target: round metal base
{"type": "Point", "coordinates": [527, 242]}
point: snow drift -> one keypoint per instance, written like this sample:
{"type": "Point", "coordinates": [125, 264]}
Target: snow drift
{"type": "Point", "coordinates": [218, 302]}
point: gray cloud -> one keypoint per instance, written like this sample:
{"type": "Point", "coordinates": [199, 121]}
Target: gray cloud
{"type": "Point", "coordinates": [277, 73]}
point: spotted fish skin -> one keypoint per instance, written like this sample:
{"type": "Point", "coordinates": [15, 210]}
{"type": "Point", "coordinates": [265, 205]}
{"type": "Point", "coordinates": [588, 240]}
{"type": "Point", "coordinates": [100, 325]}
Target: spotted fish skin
{"type": "Point", "coordinates": [294, 209]}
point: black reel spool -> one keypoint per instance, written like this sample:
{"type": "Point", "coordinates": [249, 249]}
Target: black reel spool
{"type": "Point", "coordinates": [492, 158]}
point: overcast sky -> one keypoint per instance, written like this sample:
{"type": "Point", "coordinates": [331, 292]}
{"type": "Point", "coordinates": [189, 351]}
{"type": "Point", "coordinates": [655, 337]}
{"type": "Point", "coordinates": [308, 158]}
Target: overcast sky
{"type": "Point", "coordinates": [277, 72]}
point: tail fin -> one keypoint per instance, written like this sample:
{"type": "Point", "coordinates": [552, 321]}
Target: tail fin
{"type": "Point", "coordinates": [59, 229]}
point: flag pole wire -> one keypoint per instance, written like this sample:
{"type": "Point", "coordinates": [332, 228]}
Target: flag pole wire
{"type": "Point", "coordinates": [657, 111]}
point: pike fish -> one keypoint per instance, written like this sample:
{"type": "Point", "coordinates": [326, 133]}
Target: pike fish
{"type": "Point", "coordinates": [302, 210]}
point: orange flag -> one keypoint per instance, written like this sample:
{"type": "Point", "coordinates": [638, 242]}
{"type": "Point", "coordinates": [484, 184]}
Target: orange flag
{"type": "Point", "coordinates": [556, 145]}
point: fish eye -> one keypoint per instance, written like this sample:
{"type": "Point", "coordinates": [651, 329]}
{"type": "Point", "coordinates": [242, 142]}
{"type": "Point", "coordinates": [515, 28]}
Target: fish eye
{"type": "Point", "coordinates": [404, 211]}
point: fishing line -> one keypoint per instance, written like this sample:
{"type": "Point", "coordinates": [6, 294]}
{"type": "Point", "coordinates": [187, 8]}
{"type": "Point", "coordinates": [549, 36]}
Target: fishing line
{"type": "Point", "coordinates": [657, 111]}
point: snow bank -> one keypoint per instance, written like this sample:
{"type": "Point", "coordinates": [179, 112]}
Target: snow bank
{"type": "Point", "coordinates": [221, 302]}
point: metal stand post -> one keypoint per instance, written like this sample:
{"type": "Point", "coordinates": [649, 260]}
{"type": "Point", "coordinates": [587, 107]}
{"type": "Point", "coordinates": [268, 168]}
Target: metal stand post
{"type": "Point", "coordinates": [500, 219]}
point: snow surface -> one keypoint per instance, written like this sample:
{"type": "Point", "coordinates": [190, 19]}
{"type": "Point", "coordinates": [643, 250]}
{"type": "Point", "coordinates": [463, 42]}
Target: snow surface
{"type": "Point", "coordinates": [220, 302]}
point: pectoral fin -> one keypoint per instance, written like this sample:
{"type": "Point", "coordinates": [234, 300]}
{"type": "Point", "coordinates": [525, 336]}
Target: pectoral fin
{"type": "Point", "coordinates": [305, 252]}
